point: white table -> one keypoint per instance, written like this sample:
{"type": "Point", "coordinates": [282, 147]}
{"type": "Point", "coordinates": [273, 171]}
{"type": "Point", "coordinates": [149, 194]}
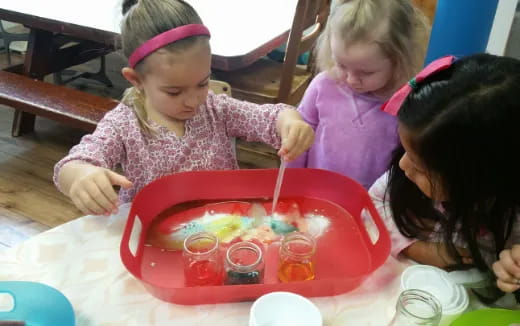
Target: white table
{"type": "Point", "coordinates": [81, 259]}
{"type": "Point", "coordinates": [242, 30]}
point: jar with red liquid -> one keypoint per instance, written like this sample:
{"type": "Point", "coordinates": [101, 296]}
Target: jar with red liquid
{"type": "Point", "coordinates": [297, 257]}
{"type": "Point", "coordinates": [244, 264]}
{"type": "Point", "coordinates": [201, 258]}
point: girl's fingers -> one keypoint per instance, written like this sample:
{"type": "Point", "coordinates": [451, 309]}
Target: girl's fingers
{"type": "Point", "coordinates": [77, 202]}
{"type": "Point", "coordinates": [508, 264]}
{"type": "Point", "coordinates": [502, 274]}
{"type": "Point", "coordinates": [309, 140]}
{"type": "Point", "coordinates": [507, 287]}
{"type": "Point", "coordinates": [515, 254]}
{"type": "Point", "coordinates": [118, 179]}
{"type": "Point", "coordinates": [107, 190]}
{"type": "Point", "coordinates": [290, 141]}
{"type": "Point", "coordinates": [91, 205]}
{"type": "Point", "coordinates": [301, 140]}
{"type": "Point", "coordinates": [99, 197]}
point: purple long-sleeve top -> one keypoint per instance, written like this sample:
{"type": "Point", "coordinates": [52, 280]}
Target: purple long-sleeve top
{"type": "Point", "coordinates": [353, 136]}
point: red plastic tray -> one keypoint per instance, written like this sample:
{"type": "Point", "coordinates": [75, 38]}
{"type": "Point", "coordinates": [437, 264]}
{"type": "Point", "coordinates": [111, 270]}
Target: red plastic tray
{"type": "Point", "coordinates": [345, 254]}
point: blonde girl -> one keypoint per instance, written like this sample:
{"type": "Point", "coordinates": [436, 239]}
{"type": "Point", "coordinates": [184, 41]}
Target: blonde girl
{"type": "Point", "coordinates": [368, 49]}
{"type": "Point", "coordinates": [168, 122]}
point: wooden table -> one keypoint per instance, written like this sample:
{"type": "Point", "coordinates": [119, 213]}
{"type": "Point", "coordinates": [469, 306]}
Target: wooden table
{"type": "Point", "coordinates": [242, 32]}
{"type": "Point", "coordinates": [81, 259]}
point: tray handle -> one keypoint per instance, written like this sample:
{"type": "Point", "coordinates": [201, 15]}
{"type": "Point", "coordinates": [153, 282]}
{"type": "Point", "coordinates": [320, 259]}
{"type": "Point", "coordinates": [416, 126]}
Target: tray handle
{"type": "Point", "coordinates": [380, 249]}
{"type": "Point", "coordinates": [129, 258]}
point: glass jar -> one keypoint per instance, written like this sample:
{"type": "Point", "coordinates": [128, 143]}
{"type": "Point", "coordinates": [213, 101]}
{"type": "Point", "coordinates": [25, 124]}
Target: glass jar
{"type": "Point", "coordinates": [201, 258]}
{"type": "Point", "coordinates": [244, 264]}
{"type": "Point", "coordinates": [297, 257]}
{"type": "Point", "coordinates": [417, 307]}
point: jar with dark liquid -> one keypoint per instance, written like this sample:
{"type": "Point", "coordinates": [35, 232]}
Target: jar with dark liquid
{"type": "Point", "coordinates": [244, 264]}
{"type": "Point", "coordinates": [297, 257]}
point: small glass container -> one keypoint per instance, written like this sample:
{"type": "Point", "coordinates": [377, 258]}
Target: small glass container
{"type": "Point", "coordinates": [244, 264]}
{"type": "Point", "coordinates": [417, 307]}
{"type": "Point", "coordinates": [297, 257]}
{"type": "Point", "coordinates": [201, 258]}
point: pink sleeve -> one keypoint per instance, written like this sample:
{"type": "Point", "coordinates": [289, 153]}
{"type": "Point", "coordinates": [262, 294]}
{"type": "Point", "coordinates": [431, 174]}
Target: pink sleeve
{"type": "Point", "coordinates": [309, 112]}
{"type": "Point", "coordinates": [377, 193]}
{"type": "Point", "coordinates": [249, 121]}
{"type": "Point", "coordinates": [103, 147]}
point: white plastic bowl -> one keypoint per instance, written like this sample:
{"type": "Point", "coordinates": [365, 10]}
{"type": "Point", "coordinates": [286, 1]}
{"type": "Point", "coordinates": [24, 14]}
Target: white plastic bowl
{"type": "Point", "coordinates": [283, 309]}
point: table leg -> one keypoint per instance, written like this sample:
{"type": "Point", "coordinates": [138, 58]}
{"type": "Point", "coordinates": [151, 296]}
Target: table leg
{"type": "Point", "coordinates": [36, 65]}
{"type": "Point", "coordinates": [23, 123]}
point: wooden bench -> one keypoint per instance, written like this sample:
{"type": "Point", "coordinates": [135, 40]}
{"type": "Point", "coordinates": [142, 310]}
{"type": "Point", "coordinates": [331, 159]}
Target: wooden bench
{"type": "Point", "coordinates": [83, 110]}
{"type": "Point", "coordinates": [70, 106]}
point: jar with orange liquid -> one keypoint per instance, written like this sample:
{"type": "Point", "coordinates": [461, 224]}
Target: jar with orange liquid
{"type": "Point", "coordinates": [297, 257]}
{"type": "Point", "coordinates": [201, 258]}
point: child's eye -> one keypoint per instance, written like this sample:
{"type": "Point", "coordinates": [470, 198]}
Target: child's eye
{"type": "Point", "coordinates": [173, 93]}
{"type": "Point", "coordinates": [205, 84]}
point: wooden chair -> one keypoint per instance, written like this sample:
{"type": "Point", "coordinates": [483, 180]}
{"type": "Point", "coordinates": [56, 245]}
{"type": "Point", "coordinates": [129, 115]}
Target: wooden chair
{"type": "Point", "coordinates": [269, 81]}
{"type": "Point", "coordinates": [219, 87]}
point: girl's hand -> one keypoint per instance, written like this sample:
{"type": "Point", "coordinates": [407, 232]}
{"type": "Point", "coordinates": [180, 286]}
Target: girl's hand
{"type": "Point", "coordinates": [507, 269]}
{"type": "Point", "coordinates": [90, 187]}
{"type": "Point", "coordinates": [297, 136]}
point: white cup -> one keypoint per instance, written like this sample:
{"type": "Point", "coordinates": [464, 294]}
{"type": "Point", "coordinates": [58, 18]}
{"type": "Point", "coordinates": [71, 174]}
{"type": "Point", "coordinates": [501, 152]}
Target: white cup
{"type": "Point", "coordinates": [452, 296]}
{"type": "Point", "coordinates": [282, 309]}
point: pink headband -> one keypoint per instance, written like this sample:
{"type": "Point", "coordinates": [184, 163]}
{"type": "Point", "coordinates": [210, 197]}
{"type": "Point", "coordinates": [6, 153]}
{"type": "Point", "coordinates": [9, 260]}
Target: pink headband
{"type": "Point", "coordinates": [393, 105]}
{"type": "Point", "coordinates": [163, 39]}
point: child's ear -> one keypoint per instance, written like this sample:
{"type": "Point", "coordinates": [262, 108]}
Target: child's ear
{"type": "Point", "coordinates": [133, 77]}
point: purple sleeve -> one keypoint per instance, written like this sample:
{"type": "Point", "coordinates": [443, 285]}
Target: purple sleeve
{"type": "Point", "coordinates": [309, 112]}
{"type": "Point", "coordinates": [103, 148]}
{"type": "Point", "coordinates": [249, 121]}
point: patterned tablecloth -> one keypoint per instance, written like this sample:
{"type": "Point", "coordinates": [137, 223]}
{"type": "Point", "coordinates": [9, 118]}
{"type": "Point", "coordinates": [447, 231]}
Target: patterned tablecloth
{"type": "Point", "coordinates": [81, 259]}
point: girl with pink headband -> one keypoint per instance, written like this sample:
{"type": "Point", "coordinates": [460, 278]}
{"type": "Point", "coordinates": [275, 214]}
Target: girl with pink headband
{"type": "Point", "coordinates": [168, 122]}
{"type": "Point", "coordinates": [452, 196]}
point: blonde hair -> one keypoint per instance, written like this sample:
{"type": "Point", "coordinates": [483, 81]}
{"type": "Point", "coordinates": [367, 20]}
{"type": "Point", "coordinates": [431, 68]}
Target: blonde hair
{"type": "Point", "coordinates": [142, 20]}
{"type": "Point", "coordinates": [397, 26]}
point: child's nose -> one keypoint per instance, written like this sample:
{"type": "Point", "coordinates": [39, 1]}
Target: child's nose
{"type": "Point", "coordinates": [404, 163]}
{"type": "Point", "coordinates": [352, 79]}
{"type": "Point", "coordinates": [191, 101]}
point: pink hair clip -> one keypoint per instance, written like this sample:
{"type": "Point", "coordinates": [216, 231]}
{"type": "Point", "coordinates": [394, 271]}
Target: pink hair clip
{"type": "Point", "coordinates": [393, 105]}
{"type": "Point", "coordinates": [163, 39]}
